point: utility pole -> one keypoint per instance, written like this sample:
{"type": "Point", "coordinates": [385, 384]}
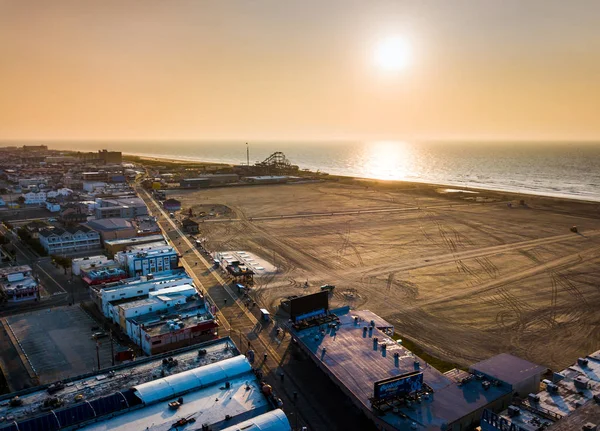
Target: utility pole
{"type": "Point", "coordinates": [98, 354]}
{"type": "Point", "coordinates": [247, 154]}
{"type": "Point", "coordinates": [112, 349]}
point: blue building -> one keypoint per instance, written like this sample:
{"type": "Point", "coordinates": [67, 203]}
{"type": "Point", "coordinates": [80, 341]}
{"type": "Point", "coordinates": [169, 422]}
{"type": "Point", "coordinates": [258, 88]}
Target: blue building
{"type": "Point", "coordinates": [150, 261]}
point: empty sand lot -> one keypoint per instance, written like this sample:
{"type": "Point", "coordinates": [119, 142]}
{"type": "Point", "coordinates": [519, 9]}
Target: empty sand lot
{"type": "Point", "coordinates": [464, 275]}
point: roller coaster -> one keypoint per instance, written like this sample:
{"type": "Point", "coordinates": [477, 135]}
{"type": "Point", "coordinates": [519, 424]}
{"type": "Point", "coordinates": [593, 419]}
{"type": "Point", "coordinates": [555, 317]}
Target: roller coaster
{"type": "Point", "coordinates": [277, 163]}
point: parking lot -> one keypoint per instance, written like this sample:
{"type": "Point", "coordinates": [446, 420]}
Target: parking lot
{"type": "Point", "coordinates": [58, 342]}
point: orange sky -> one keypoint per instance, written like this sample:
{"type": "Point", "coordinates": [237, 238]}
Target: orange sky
{"type": "Point", "coordinates": [256, 69]}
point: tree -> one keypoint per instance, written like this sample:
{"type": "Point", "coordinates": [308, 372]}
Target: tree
{"type": "Point", "coordinates": [62, 261]}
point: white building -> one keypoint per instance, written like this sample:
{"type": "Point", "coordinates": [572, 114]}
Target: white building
{"type": "Point", "coordinates": [59, 192]}
{"type": "Point", "coordinates": [103, 296]}
{"type": "Point", "coordinates": [52, 206]}
{"type": "Point", "coordinates": [69, 240]}
{"type": "Point", "coordinates": [78, 263]}
{"type": "Point", "coordinates": [141, 307]}
{"type": "Point", "coordinates": [34, 197]}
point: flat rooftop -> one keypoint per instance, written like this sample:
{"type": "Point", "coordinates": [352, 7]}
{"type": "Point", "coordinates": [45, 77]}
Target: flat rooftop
{"type": "Point", "coordinates": [568, 400]}
{"type": "Point", "coordinates": [136, 240]}
{"type": "Point", "coordinates": [6, 271]}
{"type": "Point", "coordinates": [357, 361]}
{"type": "Point", "coordinates": [111, 380]}
{"type": "Point", "coordinates": [162, 327]}
{"type": "Point", "coordinates": [508, 368]}
{"type": "Point", "coordinates": [163, 277]}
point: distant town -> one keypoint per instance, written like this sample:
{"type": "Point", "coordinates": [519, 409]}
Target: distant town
{"type": "Point", "coordinates": [119, 312]}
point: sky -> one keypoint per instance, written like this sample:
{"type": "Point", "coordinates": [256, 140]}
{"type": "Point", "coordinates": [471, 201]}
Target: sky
{"type": "Point", "coordinates": [283, 69]}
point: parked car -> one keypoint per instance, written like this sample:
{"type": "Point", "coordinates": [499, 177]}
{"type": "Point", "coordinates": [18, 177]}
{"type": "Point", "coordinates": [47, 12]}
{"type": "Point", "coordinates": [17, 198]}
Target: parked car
{"type": "Point", "coordinates": [98, 335]}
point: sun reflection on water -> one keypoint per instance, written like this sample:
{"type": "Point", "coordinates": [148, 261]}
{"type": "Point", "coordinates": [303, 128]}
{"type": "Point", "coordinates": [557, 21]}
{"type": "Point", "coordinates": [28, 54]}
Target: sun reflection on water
{"type": "Point", "coordinates": [387, 160]}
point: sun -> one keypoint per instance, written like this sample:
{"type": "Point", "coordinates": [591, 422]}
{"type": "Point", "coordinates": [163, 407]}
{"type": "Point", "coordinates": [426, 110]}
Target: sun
{"type": "Point", "coordinates": [393, 53]}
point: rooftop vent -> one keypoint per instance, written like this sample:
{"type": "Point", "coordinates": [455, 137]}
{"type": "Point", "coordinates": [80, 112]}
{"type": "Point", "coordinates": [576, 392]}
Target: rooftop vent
{"type": "Point", "coordinates": [513, 411]}
{"type": "Point", "coordinates": [583, 362]}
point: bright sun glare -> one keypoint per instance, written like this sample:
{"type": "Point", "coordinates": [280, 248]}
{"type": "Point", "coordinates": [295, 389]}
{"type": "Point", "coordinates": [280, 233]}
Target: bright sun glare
{"type": "Point", "coordinates": [393, 53]}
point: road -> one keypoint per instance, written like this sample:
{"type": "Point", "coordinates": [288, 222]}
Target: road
{"type": "Point", "coordinates": [311, 406]}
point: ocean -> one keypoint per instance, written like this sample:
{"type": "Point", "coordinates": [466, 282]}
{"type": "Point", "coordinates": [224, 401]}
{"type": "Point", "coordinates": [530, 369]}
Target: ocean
{"type": "Point", "coordinates": [551, 169]}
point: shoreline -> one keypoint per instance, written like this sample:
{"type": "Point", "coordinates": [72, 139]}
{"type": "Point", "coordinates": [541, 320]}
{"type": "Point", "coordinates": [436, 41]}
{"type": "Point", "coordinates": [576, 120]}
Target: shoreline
{"type": "Point", "coordinates": [391, 182]}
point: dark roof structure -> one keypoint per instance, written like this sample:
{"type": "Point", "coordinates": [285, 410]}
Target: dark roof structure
{"type": "Point", "coordinates": [508, 368]}
{"type": "Point", "coordinates": [110, 224]}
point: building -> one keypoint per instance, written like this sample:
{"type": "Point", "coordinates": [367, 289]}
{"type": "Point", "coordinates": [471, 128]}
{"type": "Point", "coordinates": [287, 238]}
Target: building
{"type": "Point", "coordinates": [72, 214]}
{"type": "Point", "coordinates": [268, 179]}
{"type": "Point", "coordinates": [392, 386]}
{"type": "Point", "coordinates": [209, 180]}
{"type": "Point", "coordinates": [104, 296]}
{"type": "Point", "coordinates": [62, 192]}
{"type": "Point", "coordinates": [120, 208]}
{"type": "Point", "coordinates": [190, 226]}
{"type": "Point", "coordinates": [52, 205]}
{"type": "Point", "coordinates": [18, 284]}
{"type": "Point", "coordinates": [102, 156]}
{"type": "Point", "coordinates": [35, 147]}
{"type": "Point", "coordinates": [146, 226]}
{"type": "Point", "coordinates": [92, 185]}
{"type": "Point", "coordinates": [78, 262]}
{"type": "Point", "coordinates": [110, 157]}
{"type": "Point", "coordinates": [34, 227]}
{"type": "Point", "coordinates": [107, 274]}
{"type": "Point", "coordinates": [116, 245]}
{"type": "Point", "coordinates": [569, 400]}
{"type": "Point", "coordinates": [169, 328]}
{"type": "Point", "coordinates": [212, 384]}
{"type": "Point", "coordinates": [148, 261]}
{"type": "Point", "coordinates": [36, 197]}
{"type": "Point", "coordinates": [172, 205]}
{"type": "Point", "coordinates": [113, 228]}
{"type": "Point", "coordinates": [151, 304]}
{"type": "Point", "coordinates": [69, 240]}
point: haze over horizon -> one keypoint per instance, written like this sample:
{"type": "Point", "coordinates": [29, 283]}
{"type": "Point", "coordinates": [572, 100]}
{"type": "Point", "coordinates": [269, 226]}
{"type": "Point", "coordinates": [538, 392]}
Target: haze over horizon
{"type": "Point", "coordinates": [342, 69]}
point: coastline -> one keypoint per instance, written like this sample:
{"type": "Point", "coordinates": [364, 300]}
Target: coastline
{"type": "Point", "coordinates": [513, 194]}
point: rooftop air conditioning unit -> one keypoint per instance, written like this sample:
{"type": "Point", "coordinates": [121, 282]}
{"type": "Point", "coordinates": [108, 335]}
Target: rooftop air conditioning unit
{"type": "Point", "coordinates": [583, 362]}
{"type": "Point", "coordinates": [513, 411]}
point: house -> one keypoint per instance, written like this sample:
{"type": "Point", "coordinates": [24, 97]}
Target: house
{"type": "Point", "coordinates": [69, 240]}
{"type": "Point", "coordinates": [113, 228]}
{"type": "Point", "coordinates": [190, 226]}
{"type": "Point", "coordinates": [62, 192]}
{"type": "Point", "coordinates": [34, 197]}
{"type": "Point", "coordinates": [52, 205]}
{"type": "Point", "coordinates": [172, 205]}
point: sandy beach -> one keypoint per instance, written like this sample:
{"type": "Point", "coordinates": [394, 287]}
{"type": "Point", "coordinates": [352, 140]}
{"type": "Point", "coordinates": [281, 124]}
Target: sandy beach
{"type": "Point", "coordinates": [465, 275]}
